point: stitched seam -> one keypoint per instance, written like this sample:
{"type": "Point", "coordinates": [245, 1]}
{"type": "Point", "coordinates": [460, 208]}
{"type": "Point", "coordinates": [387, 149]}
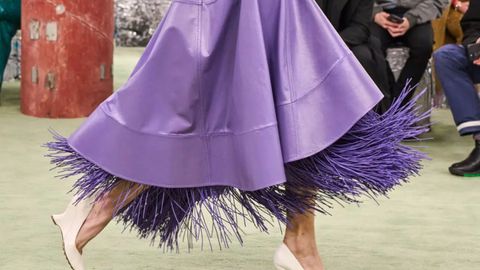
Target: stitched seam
{"type": "Point", "coordinates": [289, 72]}
{"type": "Point", "coordinates": [183, 136]}
{"type": "Point", "coordinates": [320, 82]}
{"type": "Point", "coordinates": [203, 103]}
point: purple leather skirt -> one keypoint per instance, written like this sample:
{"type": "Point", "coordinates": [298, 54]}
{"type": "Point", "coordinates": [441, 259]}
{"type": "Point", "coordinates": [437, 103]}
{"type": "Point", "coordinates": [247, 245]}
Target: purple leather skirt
{"type": "Point", "coordinates": [239, 110]}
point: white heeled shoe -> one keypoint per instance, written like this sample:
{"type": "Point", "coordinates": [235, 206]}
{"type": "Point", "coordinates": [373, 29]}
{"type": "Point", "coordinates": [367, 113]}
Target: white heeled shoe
{"type": "Point", "coordinates": [285, 260]}
{"type": "Point", "coordinates": [70, 223]}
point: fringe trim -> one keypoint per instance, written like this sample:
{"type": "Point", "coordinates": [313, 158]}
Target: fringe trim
{"type": "Point", "coordinates": [368, 160]}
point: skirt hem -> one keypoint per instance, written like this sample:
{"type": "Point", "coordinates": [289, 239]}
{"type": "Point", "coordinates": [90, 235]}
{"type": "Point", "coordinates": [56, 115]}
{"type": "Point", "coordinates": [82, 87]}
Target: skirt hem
{"type": "Point", "coordinates": [368, 160]}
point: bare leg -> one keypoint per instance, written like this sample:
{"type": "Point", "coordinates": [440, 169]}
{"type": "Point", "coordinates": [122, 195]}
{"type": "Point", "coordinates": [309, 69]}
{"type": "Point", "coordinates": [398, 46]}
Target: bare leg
{"type": "Point", "coordinates": [102, 211]}
{"type": "Point", "coordinates": [300, 239]}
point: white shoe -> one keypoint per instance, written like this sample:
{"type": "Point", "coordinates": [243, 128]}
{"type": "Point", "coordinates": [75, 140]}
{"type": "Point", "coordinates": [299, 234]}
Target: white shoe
{"type": "Point", "coordinates": [70, 223]}
{"type": "Point", "coordinates": [285, 260]}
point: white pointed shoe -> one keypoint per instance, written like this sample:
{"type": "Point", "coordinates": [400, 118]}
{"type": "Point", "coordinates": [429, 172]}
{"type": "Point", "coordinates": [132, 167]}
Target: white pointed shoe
{"type": "Point", "coordinates": [70, 223]}
{"type": "Point", "coordinates": [285, 260]}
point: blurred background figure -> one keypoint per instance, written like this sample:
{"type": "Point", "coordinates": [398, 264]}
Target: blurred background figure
{"type": "Point", "coordinates": [447, 30]}
{"type": "Point", "coordinates": [458, 73]}
{"type": "Point", "coordinates": [407, 23]}
{"type": "Point", "coordinates": [352, 18]}
{"type": "Point", "coordinates": [10, 12]}
{"type": "Point", "coordinates": [136, 21]}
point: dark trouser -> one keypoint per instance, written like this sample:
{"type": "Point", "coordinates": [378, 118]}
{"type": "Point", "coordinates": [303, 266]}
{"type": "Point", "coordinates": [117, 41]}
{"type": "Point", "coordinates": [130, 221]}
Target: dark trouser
{"type": "Point", "coordinates": [458, 76]}
{"type": "Point", "coordinates": [7, 31]}
{"type": "Point", "coordinates": [419, 39]}
{"type": "Point", "coordinates": [373, 61]}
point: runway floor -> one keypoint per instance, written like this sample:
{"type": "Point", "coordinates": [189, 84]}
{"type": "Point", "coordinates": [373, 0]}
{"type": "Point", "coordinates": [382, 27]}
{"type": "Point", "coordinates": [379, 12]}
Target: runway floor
{"type": "Point", "coordinates": [432, 223]}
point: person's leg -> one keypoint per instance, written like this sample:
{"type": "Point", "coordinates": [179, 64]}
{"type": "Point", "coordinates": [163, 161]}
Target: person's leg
{"type": "Point", "coordinates": [103, 210]}
{"type": "Point", "coordinates": [364, 56]}
{"type": "Point", "coordinates": [382, 35]}
{"type": "Point", "coordinates": [420, 41]}
{"type": "Point", "coordinates": [458, 76]}
{"type": "Point", "coordinates": [300, 239]}
{"type": "Point", "coordinates": [381, 39]}
{"type": "Point", "coordinates": [376, 67]}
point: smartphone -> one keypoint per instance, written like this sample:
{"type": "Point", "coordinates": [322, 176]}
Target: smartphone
{"type": "Point", "coordinates": [473, 51]}
{"type": "Point", "coordinates": [395, 18]}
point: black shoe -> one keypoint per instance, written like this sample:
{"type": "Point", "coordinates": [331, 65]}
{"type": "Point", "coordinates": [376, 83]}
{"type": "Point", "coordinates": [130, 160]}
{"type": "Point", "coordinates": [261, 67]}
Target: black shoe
{"type": "Point", "coordinates": [470, 166]}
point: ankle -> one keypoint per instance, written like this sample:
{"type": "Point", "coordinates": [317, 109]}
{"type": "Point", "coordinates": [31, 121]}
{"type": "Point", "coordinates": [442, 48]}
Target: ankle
{"type": "Point", "coordinates": [79, 247]}
{"type": "Point", "coordinates": [305, 251]}
{"type": "Point", "coordinates": [301, 245]}
{"type": "Point", "coordinates": [95, 222]}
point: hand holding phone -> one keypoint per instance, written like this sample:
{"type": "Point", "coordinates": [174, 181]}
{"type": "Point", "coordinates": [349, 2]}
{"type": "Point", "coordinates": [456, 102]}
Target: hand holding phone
{"type": "Point", "coordinates": [399, 26]}
{"type": "Point", "coordinates": [473, 52]}
{"type": "Point", "coordinates": [395, 19]}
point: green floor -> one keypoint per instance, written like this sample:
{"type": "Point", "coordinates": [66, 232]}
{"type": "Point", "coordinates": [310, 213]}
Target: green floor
{"type": "Point", "coordinates": [432, 223]}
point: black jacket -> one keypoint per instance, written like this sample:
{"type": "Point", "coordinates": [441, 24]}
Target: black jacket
{"type": "Point", "coordinates": [351, 18]}
{"type": "Point", "coordinates": [471, 23]}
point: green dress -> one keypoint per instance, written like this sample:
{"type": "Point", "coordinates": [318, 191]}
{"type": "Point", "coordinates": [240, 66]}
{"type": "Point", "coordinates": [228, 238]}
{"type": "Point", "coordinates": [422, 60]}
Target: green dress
{"type": "Point", "coordinates": [10, 12]}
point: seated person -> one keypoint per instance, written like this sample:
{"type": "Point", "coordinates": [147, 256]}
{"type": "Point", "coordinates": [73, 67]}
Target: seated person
{"type": "Point", "coordinates": [447, 30]}
{"type": "Point", "coordinates": [351, 19]}
{"type": "Point", "coordinates": [407, 22]}
{"type": "Point", "coordinates": [9, 24]}
{"type": "Point", "coordinates": [458, 75]}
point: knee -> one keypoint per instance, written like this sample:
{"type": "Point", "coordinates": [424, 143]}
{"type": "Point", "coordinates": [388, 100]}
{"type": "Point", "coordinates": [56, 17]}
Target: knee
{"type": "Point", "coordinates": [450, 57]}
{"type": "Point", "coordinates": [441, 56]}
{"type": "Point", "coordinates": [421, 43]}
{"type": "Point", "coordinates": [362, 53]}
{"type": "Point", "coordinates": [422, 50]}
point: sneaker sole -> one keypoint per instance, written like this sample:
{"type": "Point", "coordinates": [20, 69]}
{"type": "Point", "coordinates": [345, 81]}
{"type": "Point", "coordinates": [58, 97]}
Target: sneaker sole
{"type": "Point", "coordinates": [468, 175]}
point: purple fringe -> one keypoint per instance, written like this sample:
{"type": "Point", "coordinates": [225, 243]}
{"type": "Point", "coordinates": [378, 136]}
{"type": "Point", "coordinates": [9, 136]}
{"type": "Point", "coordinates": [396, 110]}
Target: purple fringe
{"type": "Point", "coordinates": [368, 160]}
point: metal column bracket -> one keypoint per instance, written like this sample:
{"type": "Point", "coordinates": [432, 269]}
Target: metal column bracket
{"type": "Point", "coordinates": [50, 81]}
{"type": "Point", "coordinates": [102, 72]}
{"type": "Point", "coordinates": [34, 30]}
{"type": "Point", "coordinates": [35, 75]}
{"type": "Point", "coordinates": [51, 31]}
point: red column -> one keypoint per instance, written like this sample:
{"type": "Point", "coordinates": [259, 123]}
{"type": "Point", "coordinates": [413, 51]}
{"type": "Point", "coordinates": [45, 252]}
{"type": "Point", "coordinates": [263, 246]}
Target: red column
{"type": "Point", "coordinates": [67, 55]}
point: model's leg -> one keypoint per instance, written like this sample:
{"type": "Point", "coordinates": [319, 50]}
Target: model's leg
{"type": "Point", "coordinates": [103, 210]}
{"type": "Point", "coordinates": [300, 239]}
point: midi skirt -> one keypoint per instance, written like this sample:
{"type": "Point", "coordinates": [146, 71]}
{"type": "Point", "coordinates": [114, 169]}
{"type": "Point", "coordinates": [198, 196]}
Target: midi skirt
{"type": "Point", "coordinates": [239, 111]}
